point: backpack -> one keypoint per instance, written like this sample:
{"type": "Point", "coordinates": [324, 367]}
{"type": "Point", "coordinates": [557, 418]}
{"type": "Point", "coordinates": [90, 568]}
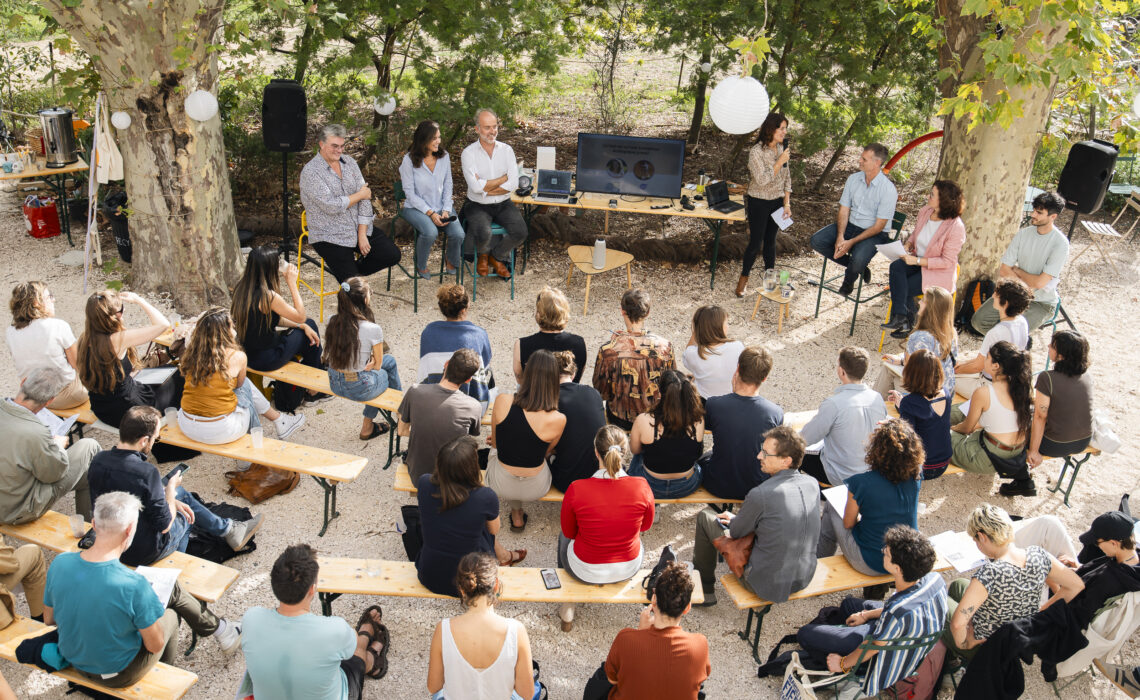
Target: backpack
{"type": "Point", "coordinates": [287, 398]}
{"type": "Point", "coordinates": [923, 685]}
{"type": "Point", "coordinates": [973, 296]}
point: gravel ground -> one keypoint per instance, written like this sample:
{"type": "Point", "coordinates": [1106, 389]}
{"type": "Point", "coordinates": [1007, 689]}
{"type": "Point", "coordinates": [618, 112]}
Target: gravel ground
{"type": "Point", "coordinates": [803, 375]}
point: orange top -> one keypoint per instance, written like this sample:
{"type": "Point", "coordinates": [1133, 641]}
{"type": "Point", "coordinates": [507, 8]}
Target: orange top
{"type": "Point", "coordinates": [658, 663]}
{"type": "Point", "coordinates": [215, 398]}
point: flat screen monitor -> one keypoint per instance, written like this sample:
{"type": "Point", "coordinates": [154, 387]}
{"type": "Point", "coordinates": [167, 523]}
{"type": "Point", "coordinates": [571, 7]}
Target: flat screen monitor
{"type": "Point", "coordinates": [630, 165]}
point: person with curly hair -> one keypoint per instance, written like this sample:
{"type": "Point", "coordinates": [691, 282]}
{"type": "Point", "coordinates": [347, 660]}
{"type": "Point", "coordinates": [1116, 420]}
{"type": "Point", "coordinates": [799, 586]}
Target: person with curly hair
{"type": "Point", "coordinates": [1011, 298]}
{"type": "Point", "coordinates": [885, 496]}
{"type": "Point", "coordinates": [667, 441]}
{"type": "Point", "coordinates": [1066, 430]}
{"type": "Point", "coordinates": [440, 339]}
{"type": "Point", "coordinates": [38, 339]}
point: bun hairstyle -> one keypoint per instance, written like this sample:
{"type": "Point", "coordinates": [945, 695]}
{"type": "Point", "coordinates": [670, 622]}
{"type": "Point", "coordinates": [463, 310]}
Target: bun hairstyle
{"type": "Point", "coordinates": [476, 576]}
{"type": "Point", "coordinates": [610, 442]}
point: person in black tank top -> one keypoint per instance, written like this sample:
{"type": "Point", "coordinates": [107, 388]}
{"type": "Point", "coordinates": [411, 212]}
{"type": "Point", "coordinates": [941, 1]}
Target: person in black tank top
{"type": "Point", "coordinates": [552, 313]}
{"type": "Point", "coordinates": [667, 441]}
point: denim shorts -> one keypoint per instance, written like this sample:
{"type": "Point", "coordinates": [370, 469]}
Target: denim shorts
{"type": "Point", "coordinates": [666, 488]}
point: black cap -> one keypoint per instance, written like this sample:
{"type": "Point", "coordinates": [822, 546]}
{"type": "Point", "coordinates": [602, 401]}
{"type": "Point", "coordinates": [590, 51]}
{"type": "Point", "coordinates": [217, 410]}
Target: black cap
{"type": "Point", "coordinates": [1109, 526]}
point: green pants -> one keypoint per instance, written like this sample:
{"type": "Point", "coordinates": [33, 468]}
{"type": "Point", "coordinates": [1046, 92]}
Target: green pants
{"type": "Point", "coordinates": [954, 593]}
{"type": "Point", "coordinates": [986, 317]}
{"type": "Point", "coordinates": [969, 455]}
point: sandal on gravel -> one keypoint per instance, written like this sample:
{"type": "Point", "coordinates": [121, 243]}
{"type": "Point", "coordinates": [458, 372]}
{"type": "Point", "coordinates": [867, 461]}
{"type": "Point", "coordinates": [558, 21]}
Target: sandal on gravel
{"type": "Point", "coordinates": [366, 618]}
{"type": "Point", "coordinates": [379, 660]}
{"type": "Point", "coordinates": [519, 528]}
{"type": "Point", "coordinates": [378, 429]}
{"type": "Point", "coordinates": [517, 555]}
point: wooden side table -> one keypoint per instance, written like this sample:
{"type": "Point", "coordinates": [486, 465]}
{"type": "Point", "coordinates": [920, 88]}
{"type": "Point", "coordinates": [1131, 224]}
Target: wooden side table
{"type": "Point", "coordinates": [776, 296]}
{"type": "Point", "coordinates": [582, 257]}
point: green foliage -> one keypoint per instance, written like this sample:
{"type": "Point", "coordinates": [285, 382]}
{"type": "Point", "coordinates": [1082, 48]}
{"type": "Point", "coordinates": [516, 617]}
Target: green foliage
{"type": "Point", "coordinates": [1052, 152]}
{"type": "Point", "coordinates": [20, 20]}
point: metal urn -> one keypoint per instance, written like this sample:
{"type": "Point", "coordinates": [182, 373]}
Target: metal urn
{"type": "Point", "coordinates": [59, 137]}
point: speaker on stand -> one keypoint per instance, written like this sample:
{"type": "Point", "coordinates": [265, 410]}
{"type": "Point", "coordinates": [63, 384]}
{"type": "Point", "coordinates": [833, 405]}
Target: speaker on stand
{"type": "Point", "coordinates": [284, 121]}
{"type": "Point", "coordinates": [1086, 176]}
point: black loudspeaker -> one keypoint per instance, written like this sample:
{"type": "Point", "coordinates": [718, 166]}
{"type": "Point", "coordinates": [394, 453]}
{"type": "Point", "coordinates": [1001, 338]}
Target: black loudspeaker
{"type": "Point", "coordinates": [1087, 175]}
{"type": "Point", "coordinates": [284, 116]}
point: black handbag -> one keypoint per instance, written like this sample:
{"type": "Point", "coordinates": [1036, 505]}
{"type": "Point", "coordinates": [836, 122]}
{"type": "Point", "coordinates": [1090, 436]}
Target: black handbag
{"type": "Point", "coordinates": [1013, 467]}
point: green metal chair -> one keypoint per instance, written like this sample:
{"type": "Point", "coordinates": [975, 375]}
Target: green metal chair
{"type": "Point", "coordinates": [853, 677]}
{"type": "Point", "coordinates": [858, 298]}
{"type": "Point", "coordinates": [398, 193]}
{"type": "Point", "coordinates": [468, 266]}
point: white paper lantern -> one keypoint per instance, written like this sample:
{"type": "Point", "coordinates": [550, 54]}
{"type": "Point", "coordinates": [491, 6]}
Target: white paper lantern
{"type": "Point", "coordinates": [201, 105]}
{"type": "Point", "coordinates": [121, 120]}
{"type": "Point", "coordinates": [386, 107]}
{"type": "Point", "coordinates": [706, 67]}
{"type": "Point", "coordinates": [738, 105]}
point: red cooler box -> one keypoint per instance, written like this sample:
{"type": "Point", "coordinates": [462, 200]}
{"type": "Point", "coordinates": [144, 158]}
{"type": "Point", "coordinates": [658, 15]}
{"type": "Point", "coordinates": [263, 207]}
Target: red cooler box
{"type": "Point", "coordinates": [41, 218]}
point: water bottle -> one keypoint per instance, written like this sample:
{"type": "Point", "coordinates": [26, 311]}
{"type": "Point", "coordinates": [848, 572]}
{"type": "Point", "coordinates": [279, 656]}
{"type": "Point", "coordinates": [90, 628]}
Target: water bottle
{"type": "Point", "coordinates": [599, 254]}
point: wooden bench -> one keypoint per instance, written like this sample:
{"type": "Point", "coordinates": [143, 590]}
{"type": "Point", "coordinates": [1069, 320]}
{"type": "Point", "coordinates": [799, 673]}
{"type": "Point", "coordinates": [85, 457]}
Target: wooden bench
{"type": "Point", "coordinates": [326, 467]}
{"type": "Point", "coordinates": [340, 576]}
{"type": "Point", "coordinates": [163, 681]}
{"type": "Point", "coordinates": [832, 575]}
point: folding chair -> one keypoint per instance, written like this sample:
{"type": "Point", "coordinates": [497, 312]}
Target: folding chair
{"type": "Point", "coordinates": [1052, 321]}
{"type": "Point", "coordinates": [303, 258]}
{"type": "Point", "coordinates": [838, 682]}
{"type": "Point", "coordinates": [398, 193]}
{"type": "Point", "coordinates": [469, 265]}
{"type": "Point", "coordinates": [858, 297]}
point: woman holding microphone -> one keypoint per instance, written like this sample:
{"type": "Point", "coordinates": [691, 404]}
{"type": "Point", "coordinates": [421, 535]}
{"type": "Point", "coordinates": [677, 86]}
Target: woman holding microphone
{"type": "Point", "coordinates": [769, 190]}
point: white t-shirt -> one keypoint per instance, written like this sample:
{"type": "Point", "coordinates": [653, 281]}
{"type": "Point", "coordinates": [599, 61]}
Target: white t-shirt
{"type": "Point", "coordinates": [1015, 332]}
{"type": "Point", "coordinates": [41, 343]}
{"type": "Point", "coordinates": [713, 375]}
{"type": "Point", "coordinates": [924, 237]}
{"type": "Point", "coordinates": [370, 335]}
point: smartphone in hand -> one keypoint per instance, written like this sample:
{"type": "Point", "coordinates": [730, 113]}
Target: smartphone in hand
{"type": "Point", "coordinates": [182, 466]}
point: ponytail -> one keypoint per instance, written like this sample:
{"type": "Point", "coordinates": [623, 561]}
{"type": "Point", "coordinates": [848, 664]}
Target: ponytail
{"type": "Point", "coordinates": [610, 443]}
{"type": "Point", "coordinates": [342, 335]}
{"type": "Point", "coordinates": [1016, 367]}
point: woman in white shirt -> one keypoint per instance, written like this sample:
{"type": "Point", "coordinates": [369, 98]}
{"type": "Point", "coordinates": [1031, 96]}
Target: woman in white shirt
{"type": "Point", "coordinates": [425, 173]}
{"type": "Point", "coordinates": [37, 338]}
{"type": "Point", "coordinates": [711, 355]}
{"type": "Point", "coordinates": [480, 655]}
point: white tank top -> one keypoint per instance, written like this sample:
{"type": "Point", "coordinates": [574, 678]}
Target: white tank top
{"type": "Point", "coordinates": [462, 681]}
{"type": "Point", "coordinates": [998, 418]}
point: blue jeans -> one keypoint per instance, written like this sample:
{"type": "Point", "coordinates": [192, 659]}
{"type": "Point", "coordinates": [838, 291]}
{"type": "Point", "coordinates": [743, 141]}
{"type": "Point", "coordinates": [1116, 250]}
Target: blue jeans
{"type": "Point", "coordinates": [204, 519]}
{"type": "Point", "coordinates": [857, 259]}
{"type": "Point", "coordinates": [369, 384]}
{"type": "Point", "coordinates": [427, 232]}
{"type": "Point", "coordinates": [666, 488]}
{"type": "Point", "coordinates": [906, 284]}
{"type": "Point", "coordinates": [244, 393]}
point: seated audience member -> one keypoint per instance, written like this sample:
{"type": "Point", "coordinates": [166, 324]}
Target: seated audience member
{"type": "Point", "coordinates": [37, 338]}
{"type": "Point", "coordinates": [843, 422]}
{"type": "Point", "coordinates": [292, 653]}
{"type": "Point", "coordinates": [877, 500]}
{"type": "Point", "coordinates": [458, 515]}
{"type": "Point", "coordinates": [441, 338]}
{"type": "Point", "coordinates": [35, 469]}
{"type": "Point", "coordinates": [1066, 429]}
{"type": "Point", "coordinates": [338, 204]}
{"type": "Point", "coordinates": [658, 659]}
{"type": "Point", "coordinates": [113, 629]}
{"type": "Point", "coordinates": [931, 254]}
{"type": "Point", "coordinates": [573, 456]}
{"type": "Point", "coordinates": [1006, 588]}
{"type": "Point", "coordinates": [1011, 297]}
{"type": "Point", "coordinates": [258, 309]}
{"type": "Point", "coordinates": [1035, 256]}
{"type": "Point", "coordinates": [629, 363]}
{"type": "Point", "coordinates": [220, 403]}
{"type": "Point", "coordinates": [783, 512]}
{"type": "Point", "coordinates": [602, 520]}
{"type": "Point", "coordinates": [431, 415]}
{"type": "Point", "coordinates": [552, 314]}
{"type": "Point", "coordinates": [525, 427]}
{"type": "Point", "coordinates": [425, 173]}
{"type": "Point", "coordinates": [711, 355]}
{"type": "Point", "coordinates": [866, 207]}
{"type": "Point", "coordinates": [992, 437]}
{"type": "Point", "coordinates": [667, 441]}
{"type": "Point", "coordinates": [354, 352]}
{"type": "Point", "coordinates": [917, 608]}
{"type": "Point", "coordinates": [492, 174]}
{"type": "Point", "coordinates": [933, 332]}
{"type": "Point", "coordinates": [169, 511]}
{"type": "Point", "coordinates": [22, 567]}
{"type": "Point", "coordinates": [480, 654]}
{"type": "Point", "coordinates": [927, 409]}
{"type": "Point", "coordinates": [738, 422]}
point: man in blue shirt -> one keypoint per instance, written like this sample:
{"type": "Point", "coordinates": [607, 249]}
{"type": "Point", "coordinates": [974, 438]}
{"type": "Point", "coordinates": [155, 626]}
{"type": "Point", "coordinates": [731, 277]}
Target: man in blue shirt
{"type": "Point", "coordinates": [866, 207]}
{"type": "Point", "coordinates": [112, 626]}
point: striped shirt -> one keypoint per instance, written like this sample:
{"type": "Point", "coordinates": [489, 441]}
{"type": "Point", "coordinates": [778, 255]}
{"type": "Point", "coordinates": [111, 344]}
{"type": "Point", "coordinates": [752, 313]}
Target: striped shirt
{"type": "Point", "coordinates": [440, 339]}
{"type": "Point", "coordinates": [324, 194]}
{"type": "Point", "coordinates": [917, 611]}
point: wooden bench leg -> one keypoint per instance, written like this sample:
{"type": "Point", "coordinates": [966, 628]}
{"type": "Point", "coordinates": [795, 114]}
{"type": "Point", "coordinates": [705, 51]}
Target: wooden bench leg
{"type": "Point", "coordinates": [330, 503]}
{"type": "Point", "coordinates": [1071, 461]}
{"type": "Point", "coordinates": [326, 603]}
{"type": "Point", "coordinates": [759, 614]}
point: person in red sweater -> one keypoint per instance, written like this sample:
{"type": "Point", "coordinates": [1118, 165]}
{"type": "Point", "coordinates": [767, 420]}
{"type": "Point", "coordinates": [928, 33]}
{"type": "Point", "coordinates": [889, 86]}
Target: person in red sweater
{"type": "Point", "coordinates": [603, 518]}
{"type": "Point", "coordinates": [658, 659]}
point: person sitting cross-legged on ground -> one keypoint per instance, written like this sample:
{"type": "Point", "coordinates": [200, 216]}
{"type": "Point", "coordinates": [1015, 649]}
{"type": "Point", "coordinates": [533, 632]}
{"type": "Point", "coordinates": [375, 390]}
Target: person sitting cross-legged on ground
{"type": "Point", "coordinates": [1062, 405]}
{"type": "Point", "coordinates": [354, 351]}
{"type": "Point", "coordinates": [865, 208]}
{"type": "Point", "coordinates": [927, 408]}
{"type": "Point", "coordinates": [441, 338]}
{"type": "Point", "coordinates": [711, 355]}
{"type": "Point", "coordinates": [917, 608]}
{"type": "Point", "coordinates": [37, 338]}
{"type": "Point", "coordinates": [292, 653]}
{"type": "Point", "coordinates": [629, 363]}
{"type": "Point", "coordinates": [658, 659]}
{"type": "Point", "coordinates": [552, 314]}
{"type": "Point", "coordinates": [843, 422]}
{"type": "Point", "coordinates": [220, 403]}
{"type": "Point", "coordinates": [877, 500]}
{"type": "Point", "coordinates": [783, 512]}
{"type": "Point", "coordinates": [933, 332]}
{"type": "Point", "coordinates": [35, 469]}
{"type": "Point", "coordinates": [480, 654]}
{"type": "Point", "coordinates": [431, 415]}
{"type": "Point", "coordinates": [738, 422]}
{"type": "Point", "coordinates": [1011, 298]}
{"type": "Point", "coordinates": [573, 456]}
{"type": "Point", "coordinates": [112, 627]}
{"type": "Point", "coordinates": [667, 441]}
{"type": "Point", "coordinates": [169, 511]}
{"type": "Point", "coordinates": [425, 173]}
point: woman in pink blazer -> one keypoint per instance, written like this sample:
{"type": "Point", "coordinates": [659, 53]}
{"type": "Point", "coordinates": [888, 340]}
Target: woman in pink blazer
{"type": "Point", "coordinates": [932, 254]}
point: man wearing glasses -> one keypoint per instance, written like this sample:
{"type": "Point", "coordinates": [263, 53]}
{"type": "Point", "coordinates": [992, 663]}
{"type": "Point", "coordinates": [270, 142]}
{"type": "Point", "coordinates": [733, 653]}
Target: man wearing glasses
{"type": "Point", "coordinates": [338, 207]}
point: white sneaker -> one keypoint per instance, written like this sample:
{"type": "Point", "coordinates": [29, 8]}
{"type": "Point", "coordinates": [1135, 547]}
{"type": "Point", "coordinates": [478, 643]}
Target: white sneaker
{"type": "Point", "coordinates": [287, 423]}
{"type": "Point", "coordinates": [241, 532]}
{"type": "Point", "coordinates": [228, 635]}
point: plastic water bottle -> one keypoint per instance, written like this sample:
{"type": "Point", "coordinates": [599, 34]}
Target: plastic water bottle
{"type": "Point", "coordinates": [599, 254]}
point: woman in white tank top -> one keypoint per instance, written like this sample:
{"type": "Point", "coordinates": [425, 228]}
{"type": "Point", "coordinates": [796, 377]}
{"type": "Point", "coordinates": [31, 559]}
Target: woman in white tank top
{"type": "Point", "coordinates": [480, 655]}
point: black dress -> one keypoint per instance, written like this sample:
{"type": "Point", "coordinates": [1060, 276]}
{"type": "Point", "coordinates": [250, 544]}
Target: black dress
{"type": "Point", "coordinates": [112, 406]}
{"type": "Point", "coordinates": [267, 350]}
{"type": "Point", "coordinates": [554, 342]}
{"type": "Point", "coordinates": [452, 534]}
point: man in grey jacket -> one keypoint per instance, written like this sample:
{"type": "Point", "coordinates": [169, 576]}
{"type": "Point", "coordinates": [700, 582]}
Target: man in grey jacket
{"type": "Point", "coordinates": [35, 469]}
{"type": "Point", "coordinates": [783, 512]}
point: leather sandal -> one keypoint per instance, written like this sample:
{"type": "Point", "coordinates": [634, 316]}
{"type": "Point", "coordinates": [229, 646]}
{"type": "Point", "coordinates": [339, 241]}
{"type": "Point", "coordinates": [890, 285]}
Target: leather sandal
{"type": "Point", "coordinates": [378, 429]}
{"type": "Point", "coordinates": [517, 555]}
{"type": "Point", "coordinates": [519, 528]}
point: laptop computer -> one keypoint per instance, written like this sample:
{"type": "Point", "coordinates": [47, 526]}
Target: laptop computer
{"type": "Point", "coordinates": [717, 194]}
{"type": "Point", "coordinates": [553, 186]}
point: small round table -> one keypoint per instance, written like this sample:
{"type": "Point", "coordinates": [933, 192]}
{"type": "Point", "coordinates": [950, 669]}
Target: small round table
{"type": "Point", "coordinates": [582, 257]}
{"type": "Point", "coordinates": [777, 296]}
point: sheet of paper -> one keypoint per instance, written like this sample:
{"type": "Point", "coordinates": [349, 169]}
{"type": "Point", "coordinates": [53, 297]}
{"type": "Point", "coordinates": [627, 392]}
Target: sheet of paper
{"type": "Point", "coordinates": [161, 581]}
{"type": "Point", "coordinates": [891, 251]}
{"type": "Point", "coordinates": [837, 497]}
{"type": "Point", "coordinates": [778, 217]}
{"type": "Point", "coordinates": [154, 375]}
{"type": "Point", "coordinates": [814, 448]}
{"type": "Point", "coordinates": [49, 419]}
{"type": "Point", "coordinates": [958, 549]}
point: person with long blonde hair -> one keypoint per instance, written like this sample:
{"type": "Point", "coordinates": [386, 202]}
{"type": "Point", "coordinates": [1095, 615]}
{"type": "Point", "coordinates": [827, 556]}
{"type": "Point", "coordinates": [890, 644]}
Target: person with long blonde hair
{"type": "Point", "coordinates": [711, 354]}
{"type": "Point", "coordinates": [219, 403]}
{"type": "Point", "coordinates": [933, 332]}
{"type": "Point", "coordinates": [552, 314]}
{"type": "Point", "coordinates": [38, 339]}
